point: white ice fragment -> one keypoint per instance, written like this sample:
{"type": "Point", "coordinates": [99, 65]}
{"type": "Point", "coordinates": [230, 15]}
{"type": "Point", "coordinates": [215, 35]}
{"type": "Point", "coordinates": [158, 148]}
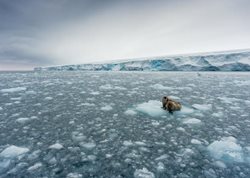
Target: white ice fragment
{"type": "Point", "coordinates": [106, 108]}
{"type": "Point", "coordinates": [226, 150]}
{"type": "Point", "coordinates": [13, 151]}
{"type": "Point", "coordinates": [143, 173]}
{"type": "Point", "coordinates": [88, 146]}
{"type": "Point", "coordinates": [74, 175]}
{"type": "Point", "coordinates": [56, 146]}
{"type": "Point", "coordinates": [160, 167]}
{"type": "Point", "coordinates": [185, 110]}
{"type": "Point", "coordinates": [87, 104]}
{"type": "Point", "coordinates": [152, 108]}
{"type": "Point", "coordinates": [180, 129]}
{"type": "Point", "coordinates": [22, 120]}
{"type": "Point", "coordinates": [11, 90]}
{"type": "Point", "coordinates": [191, 121]}
{"type": "Point", "coordinates": [160, 87]}
{"type": "Point", "coordinates": [217, 114]}
{"type": "Point", "coordinates": [95, 93]}
{"type": "Point", "coordinates": [1, 108]}
{"type": "Point", "coordinates": [220, 164]}
{"type": "Point", "coordinates": [196, 142]}
{"type": "Point", "coordinates": [35, 166]}
{"type": "Point", "coordinates": [140, 143]}
{"type": "Point", "coordinates": [130, 112]}
{"type": "Point", "coordinates": [162, 157]}
{"type": "Point", "coordinates": [48, 98]}
{"type": "Point", "coordinates": [128, 143]}
{"type": "Point", "coordinates": [202, 107]}
{"type": "Point", "coordinates": [31, 92]}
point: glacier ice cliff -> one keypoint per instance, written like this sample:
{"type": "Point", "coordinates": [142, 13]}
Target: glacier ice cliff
{"type": "Point", "coordinates": [223, 61]}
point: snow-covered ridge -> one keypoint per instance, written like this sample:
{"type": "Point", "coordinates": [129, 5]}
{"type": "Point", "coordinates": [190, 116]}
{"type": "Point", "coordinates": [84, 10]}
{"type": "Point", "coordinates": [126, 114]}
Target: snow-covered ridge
{"type": "Point", "coordinates": [227, 61]}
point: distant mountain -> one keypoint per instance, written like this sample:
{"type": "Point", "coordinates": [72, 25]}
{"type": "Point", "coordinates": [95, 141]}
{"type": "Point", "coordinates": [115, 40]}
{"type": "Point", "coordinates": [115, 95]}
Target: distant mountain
{"type": "Point", "coordinates": [218, 61]}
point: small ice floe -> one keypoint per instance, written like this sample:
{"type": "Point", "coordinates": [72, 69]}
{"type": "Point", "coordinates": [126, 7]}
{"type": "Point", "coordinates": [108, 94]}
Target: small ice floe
{"type": "Point", "coordinates": [22, 120]}
{"type": "Point", "coordinates": [226, 150]}
{"type": "Point", "coordinates": [162, 157]}
{"type": "Point", "coordinates": [128, 143]}
{"type": "Point", "coordinates": [160, 167]}
{"type": "Point", "coordinates": [106, 108]}
{"type": "Point", "coordinates": [191, 121]}
{"type": "Point", "coordinates": [110, 87]}
{"type": "Point", "coordinates": [1, 108]}
{"type": "Point", "coordinates": [186, 110]}
{"type": "Point", "coordinates": [56, 146]}
{"type": "Point", "coordinates": [152, 108]}
{"type": "Point", "coordinates": [13, 151]}
{"type": "Point", "coordinates": [74, 175]}
{"type": "Point", "coordinates": [31, 92]}
{"type": "Point", "coordinates": [228, 100]}
{"type": "Point", "coordinates": [217, 114]}
{"type": "Point", "coordinates": [87, 104]}
{"type": "Point", "coordinates": [35, 167]}
{"type": "Point", "coordinates": [202, 107]}
{"type": "Point", "coordinates": [12, 90]}
{"type": "Point", "coordinates": [180, 129]}
{"type": "Point", "coordinates": [48, 98]}
{"type": "Point", "coordinates": [196, 142]}
{"type": "Point", "coordinates": [88, 146]}
{"type": "Point", "coordinates": [95, 93]}
{"type": "Point", "coordinates": [160, 87]}
{"type": "Point", "coordinates": [130, 112]}
{"type": "Point", "coordinates": [143, 173]}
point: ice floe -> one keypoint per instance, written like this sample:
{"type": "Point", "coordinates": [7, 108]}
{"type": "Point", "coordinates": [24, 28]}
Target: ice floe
{"type": "Point", "coordinates": [106, 108]}
{"type": "Point", "coordinates": [226, 150]}
{"type": "Point", "coordinates": [130, 112]}
{"type": "Point", "coordinates": [56, 146]}
{"type": "Point", "coordinates": [191, 121]}
{"type": "Point", "coordinates": [13, 151]}
{"type": "Point", "coordinates": [202, 107]}
{"type": "Point", "coordinates": [22, 120]}
{"type": "Point", "coordinates": [143, 173]}
{"type": "Point", "coordinates": [11, 90]}
{"type": "Point", "coordinates": [161, 87]}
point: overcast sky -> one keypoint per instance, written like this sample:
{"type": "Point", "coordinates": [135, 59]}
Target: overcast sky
{"type": "Point", "coordinates": [53, 32]}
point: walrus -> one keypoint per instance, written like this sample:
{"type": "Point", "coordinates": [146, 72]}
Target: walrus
{"type": "Point", "coordinates": [170, 105]}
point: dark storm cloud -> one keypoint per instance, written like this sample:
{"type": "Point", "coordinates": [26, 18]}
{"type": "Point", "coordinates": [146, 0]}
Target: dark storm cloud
{"type": "Point", "coordinates": [49, 32]}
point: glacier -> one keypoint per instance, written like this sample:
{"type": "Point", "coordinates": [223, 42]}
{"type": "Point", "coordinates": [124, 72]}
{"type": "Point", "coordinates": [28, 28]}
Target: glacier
{"type": "Point", "coordinates": [238, 60]}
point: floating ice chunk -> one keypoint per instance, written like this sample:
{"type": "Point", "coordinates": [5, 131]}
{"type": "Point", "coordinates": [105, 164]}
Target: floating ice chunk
{"type": "Point", "coordinates": [13, 151]}
{"type": "Point", "coordinates": [22, 120]}
{"type": "Point", "coordinates": [1, 108]}
{"type": "Point", "coordinates": [48, 98]}
{"type": "Point", "coordinates": [162, 157]}
{"type": "Point", "coordinates": [196, 142]}
{"type": "Point", "coordinates": [74, 175]}
{"type": "Point", "coordinates": [192, 121]}
{"type": "Point", "coordinates": [180, 129]}
{"type": "Point", "coordinates": [152, 108]}
{"type": "Point", "coordinates": [160, 167]}
{"type": "Point", "coordinates": [106, 108]}
{"type": "Point", "coordinates": [11, 90]}
{"type": "Point", "coordinates": [160, 87]}
{"type": "Point", "coordinates": [56, 146]}
{"type": "Point", "coordinates": [202, 107]}
{"type": "Point", "coordinates": [217, 114]}
{"type": "Point", "coordinates": [88, 146]}
{"type": "Point", "coordinates": [130, 112]}
{"type": "Point", "coordinates": [31, 92]}
{"type": "Point", "coordinates": [35, 166]}
{"type": "Point", "coordinates": [110, 87]}
{"type": "Point", "coordinates": [143, 173]}
{"type": "Point", "coordinates": [220, 164]}
{"type": "Point", "coordinates": [128, 143]}
{"type": "Point", "coordinates": [87, 104]}
{"type": "Point", "coordinates": [95, 93]}
{"type": "Point", "coordinates": [140, 143]}
{"type": "Point", "coordinates": [226, 150]}
{"type": "Point", "coordinates": [4, 163]}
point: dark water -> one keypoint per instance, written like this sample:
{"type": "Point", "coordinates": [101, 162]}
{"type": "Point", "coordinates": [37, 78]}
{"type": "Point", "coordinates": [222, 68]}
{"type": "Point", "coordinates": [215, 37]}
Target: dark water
{"type": "Point", "coordinates": [110, 124]}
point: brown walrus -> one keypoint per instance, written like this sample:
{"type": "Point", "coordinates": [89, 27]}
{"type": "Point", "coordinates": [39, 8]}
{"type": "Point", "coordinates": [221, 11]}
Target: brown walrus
{"type": "Point", "coordinates": [170, 105]}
